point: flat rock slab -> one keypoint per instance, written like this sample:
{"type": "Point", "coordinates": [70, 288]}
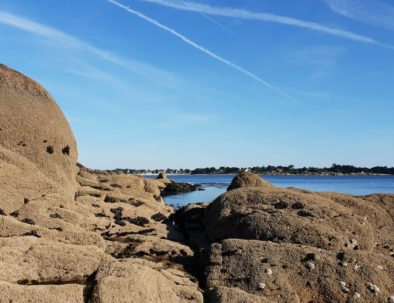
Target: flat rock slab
{"type": "Point", "coordinates": [140, 281]}
{"type": "Point", "coordinates": [41, 293]}
{"type": "Point", "coordinates": [30, 260]}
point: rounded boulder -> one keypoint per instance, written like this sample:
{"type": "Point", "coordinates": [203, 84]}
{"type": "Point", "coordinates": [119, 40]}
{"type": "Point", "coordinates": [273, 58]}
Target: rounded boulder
{"type": "Point", "coordinates": [38, 151]}
{"type": "Point", "coordinates": [246, 179]}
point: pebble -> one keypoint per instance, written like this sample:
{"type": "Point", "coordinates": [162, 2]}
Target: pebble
{"type": "Point", "coordinates": [356, 296]}
{"type": "Point", "coordinates": [357, 266]}
{"type": "Point", "coordinates": [310, 265]}
{"type": "Point", "coordinates": [373, 288]}
{"type": "Point", "coordinates": [380, 267]}
{"type": "Point", "coordinates": [390, 299]}
{"type": "Point", "coordinates": [344, 264]}
{"type": "Point", "coordinates": [261, 285]}
{"type": "Point", "coordinates": [343, 287]}
{"type": "Point", "coordinates": [353, 243]}
{"type": "Point", "coordinates": [268, 271]}
{"type": "Point", "coordinates": [386, 246]}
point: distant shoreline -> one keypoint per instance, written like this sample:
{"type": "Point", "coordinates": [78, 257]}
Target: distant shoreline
{"type": "Point", "coordinates": [276, 174]}
{"type": "Point", "coordinates": [270, 170]}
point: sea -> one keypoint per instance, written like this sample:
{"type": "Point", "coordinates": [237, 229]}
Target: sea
{"type": "Point", "coordinates": [214, 185]}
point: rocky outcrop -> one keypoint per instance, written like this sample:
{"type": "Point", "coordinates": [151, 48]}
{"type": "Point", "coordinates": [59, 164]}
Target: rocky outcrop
{"type": "Point", "coordinates": [142, 281]}
{"type": "Point", "coordinates": [66, 293]}
{"type": "Point", "coordinates": [37, 148]}
{"type": "Point", "coordinates": [175, 188]}
{"type": "Point", "coordinates": [265, 244]}
{"type": "Point", "coordinates": [71, 234]}
{"type": "Point", "coordinates": [169, 187]}
{"type": "Point", "coordinates": [246, 179]}
{"type": "Point", "coordinates": [271, 272]}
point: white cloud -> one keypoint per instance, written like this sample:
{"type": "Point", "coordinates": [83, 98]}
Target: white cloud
{"type": "Point", "coordinates": [265, 17]}
{"type": "Point", "coordinates": [373, 12]}
{"type": "Point", "coordinates": [201, 48]}
{"type": "Point", "coordinates": [64, 40]}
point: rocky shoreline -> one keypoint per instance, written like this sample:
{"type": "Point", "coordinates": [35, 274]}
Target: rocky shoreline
{"type": "Point", "coordinates": [73, 234]}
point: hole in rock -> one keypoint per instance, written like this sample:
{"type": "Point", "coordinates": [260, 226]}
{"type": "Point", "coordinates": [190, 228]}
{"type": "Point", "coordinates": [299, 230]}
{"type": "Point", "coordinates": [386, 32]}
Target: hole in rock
{"type": "Point", "coordinates": [66, 150]}
{"type": "Point", "coordinates": [50, 149]}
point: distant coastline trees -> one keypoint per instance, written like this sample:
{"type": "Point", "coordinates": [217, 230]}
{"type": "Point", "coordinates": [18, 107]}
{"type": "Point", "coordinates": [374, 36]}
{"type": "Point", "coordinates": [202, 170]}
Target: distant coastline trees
{"type": "Point", "coordinates": [335, 169]}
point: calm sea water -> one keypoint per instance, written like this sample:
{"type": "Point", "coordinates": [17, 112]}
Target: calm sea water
{"type": "Point", "coordinates": [215, 185]}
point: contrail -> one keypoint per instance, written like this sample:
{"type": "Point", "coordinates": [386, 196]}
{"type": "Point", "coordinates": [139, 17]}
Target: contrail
{"type": "Point", "coordinates": [265, 17]}
{"type": "Point", "coordinates": [200, 48]}
{"type": "Point", "coordinates": [217, 23]}
{"type": "Point", "coordinates": [69, 41]}
{"type": "Point", "coordinates": [212, 20]}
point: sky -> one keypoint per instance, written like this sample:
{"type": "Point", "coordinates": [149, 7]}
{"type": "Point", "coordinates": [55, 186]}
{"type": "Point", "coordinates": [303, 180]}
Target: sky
{"type": "Point", "coordinates": [186, 84]}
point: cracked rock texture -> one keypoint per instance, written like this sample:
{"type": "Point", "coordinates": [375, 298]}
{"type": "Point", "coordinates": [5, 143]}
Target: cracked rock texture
{"type": "Point", "coordinates": [71, 234]}
{"type": "Point", "coordinates": [260, 243]}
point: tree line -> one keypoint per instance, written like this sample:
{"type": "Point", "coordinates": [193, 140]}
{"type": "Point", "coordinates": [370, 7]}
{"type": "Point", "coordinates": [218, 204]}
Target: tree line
{"type": "Point", "coordinates": [334, 169]}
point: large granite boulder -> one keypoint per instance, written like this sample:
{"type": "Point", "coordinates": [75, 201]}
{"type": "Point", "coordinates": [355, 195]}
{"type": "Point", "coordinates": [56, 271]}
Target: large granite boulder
{"type": "Point", "coordinates": [60, 223]}
{"type": "Point", "coordinates": [266, 244]}
{"type": "Point", "coordinates": [38, 151]}
{"type": "Point", "coordinates": [285, 215]}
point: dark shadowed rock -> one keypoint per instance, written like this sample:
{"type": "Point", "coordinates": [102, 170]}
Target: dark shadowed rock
{"type": "Point", "coordinates": [178, 188]}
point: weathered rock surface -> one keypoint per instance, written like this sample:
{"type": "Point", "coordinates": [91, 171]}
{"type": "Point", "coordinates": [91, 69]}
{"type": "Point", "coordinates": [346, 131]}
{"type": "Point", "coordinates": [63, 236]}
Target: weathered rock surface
{"type": "Point", "coordinates": [164, 178]}
{"type": "Point", "coordinates": [281, 215]}
{"type": "Point", "coordinates": [32, 260]}
{"type": "Point", "coordinates": [72, 234]}
{"type": "Point", "coordinates": [246, 179]}
{"type": "Point", "coordinates": [271, 272]}
{"type": "Point", "coordinates": [174, 188]}
{"type": "Point", "coordinates": [265, 244]}
{"type": "Point", "coordinates": [139, 281]}
{"type": "Point", "coordinates": [41, 293]}
{"type": "Point", "coordinates": [64, 227]}
{"type": "Point", "coordinates": [37, 148]}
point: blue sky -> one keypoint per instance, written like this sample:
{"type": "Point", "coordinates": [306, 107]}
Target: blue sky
{"type": "Point", "coordinates": [169, 83]}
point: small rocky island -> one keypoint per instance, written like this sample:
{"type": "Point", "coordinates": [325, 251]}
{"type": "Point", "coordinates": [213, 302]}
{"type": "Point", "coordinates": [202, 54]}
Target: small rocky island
{"type": "Point", "coordinates": [73, 234]}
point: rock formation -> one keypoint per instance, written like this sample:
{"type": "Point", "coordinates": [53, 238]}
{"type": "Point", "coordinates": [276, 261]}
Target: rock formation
{"type": "Point", "coordinates": [72, 234]}
{"type": "Point", "coordinates": [173, 188]}
{"type": "Point", "coordinates": [265, 244]}
{"type": "Point", "coordinates": [37, 148]}
{"type": "Point", "coordinates": [246, 179]}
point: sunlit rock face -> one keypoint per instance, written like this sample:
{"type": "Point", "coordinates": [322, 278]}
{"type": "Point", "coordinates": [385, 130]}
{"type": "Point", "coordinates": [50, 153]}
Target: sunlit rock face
{"type": "Point", "coordinates": [64, 228]}
{"type": "Point", "coordinates": [38, 151]}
